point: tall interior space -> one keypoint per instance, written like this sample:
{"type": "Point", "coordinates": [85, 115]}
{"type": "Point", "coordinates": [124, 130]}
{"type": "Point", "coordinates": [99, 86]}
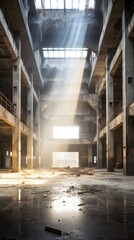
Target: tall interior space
{"type": "Point", "coordinates": [67, 90]}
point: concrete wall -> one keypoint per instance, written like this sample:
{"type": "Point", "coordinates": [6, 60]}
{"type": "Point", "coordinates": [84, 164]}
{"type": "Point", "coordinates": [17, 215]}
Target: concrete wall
{"type": "Point", "coordinates": [48, 149]}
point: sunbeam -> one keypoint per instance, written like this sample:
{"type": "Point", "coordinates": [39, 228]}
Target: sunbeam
{"type": "Point", "coordinates": [64, 68]}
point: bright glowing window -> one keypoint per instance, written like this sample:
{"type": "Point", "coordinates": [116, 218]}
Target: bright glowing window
{"type": "Point", "coordinates": [83, 54]}
{"type": "Point", "coordinates": [66, 132]}
{"type": "Point", "coordinates": [69, 4]}
{"type": "Point", "coordinates": [75, 4]}
{"type": "Point", "coordinates": [82, 5]}
{"type": "Point", "coordinates": [73, 54]}
{"type": "Point", "coordinates": [65, 159]}
{"type": "Point", "coordinates": [61, 53]}
{"type": "Point", "coordinates": [59, 4]}
{"type": "Point", "coordinates": [65, 53]}
{"type": "Point", "coordinates": [51, 54]}
{"type": "Point", "coordinates": [54, 4]}
{"type": "Point", "coordinates": [45, 54]}
{"type": "Point", "coordinates": [38, 4]}
{"type": "Point", "coordinates": [47, 4]}
{"type": "Point", "coordinates": [91, 4]}
{"type": "Point", "coordinates": [78, 54]}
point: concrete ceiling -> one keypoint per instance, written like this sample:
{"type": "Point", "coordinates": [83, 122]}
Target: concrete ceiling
{"type": "Point", "coordinates": [5, 130]}
{"type": "Point", "coordinates": [71, 29]}
{"type": "Point", "coordinates": [20, 26]}
{"type": "Point", "coordinates": [109, 39]}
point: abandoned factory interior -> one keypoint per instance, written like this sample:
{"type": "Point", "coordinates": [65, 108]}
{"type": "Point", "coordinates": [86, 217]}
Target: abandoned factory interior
{"type": "Point", "coordinates": [67, 119]}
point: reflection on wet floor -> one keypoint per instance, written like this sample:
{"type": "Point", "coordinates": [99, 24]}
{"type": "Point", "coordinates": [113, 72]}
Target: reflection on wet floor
{"type": "Point", "coordinates": [80, 210]}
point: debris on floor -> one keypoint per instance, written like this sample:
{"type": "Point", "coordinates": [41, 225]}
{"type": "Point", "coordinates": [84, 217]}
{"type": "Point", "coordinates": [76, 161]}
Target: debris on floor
{"type": "Point", "coordinates": [90, 207]}
{"type": "Point", "coordinates": [82, 204]}
{"type": "Point", "coordinates": [53, 230]}
{"type": "Point", "coordinates": [83, 190]}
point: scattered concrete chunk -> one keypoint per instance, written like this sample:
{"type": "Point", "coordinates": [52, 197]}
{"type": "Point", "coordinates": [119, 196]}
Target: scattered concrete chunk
{"type": "Point", "coordinates": [81, 204]}
{"type": "Point", "coordinates": [53, 230]}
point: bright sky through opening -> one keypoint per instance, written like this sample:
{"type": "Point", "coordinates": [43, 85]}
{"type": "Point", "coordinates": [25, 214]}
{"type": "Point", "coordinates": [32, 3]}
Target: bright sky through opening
{"type": "Point", "coordinates": [59, 4]}
{"type": "Point", "coordinates": [65, 53]}
{"type": "Point", "coordinates": [66, 132]}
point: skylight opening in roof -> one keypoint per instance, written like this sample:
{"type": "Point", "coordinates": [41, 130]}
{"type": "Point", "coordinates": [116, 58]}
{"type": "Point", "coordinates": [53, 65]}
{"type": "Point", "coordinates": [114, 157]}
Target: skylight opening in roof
{"type": "Point", "coordinates": [82, 5]}
{"type": "Point", "coordinates": [60, 4]}
{"type": "Point", "coordinates": [47, 4]}
{"type": "Point", "coordinates": [69, 4]}
{"type": "Point", "coordinates": [75, 4]}
{"type": "Point", "coordinates": [91, 4]}
{"type": "Point", "coordinates": [66, 132]}
{"type": "Point", "coordinates": [65, 53]}
{"type": "Point", "coordinates": [78, 54]}
{"type": "Point", "coordinates": [54, 4]}
{"type": "Point", "coordinates": [38, 4]}
{"type": "Point", "coordinates": [51, 54]}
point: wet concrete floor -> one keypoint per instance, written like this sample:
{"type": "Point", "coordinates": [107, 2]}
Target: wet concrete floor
{"type": "Point", "coordinates": [83, 207]}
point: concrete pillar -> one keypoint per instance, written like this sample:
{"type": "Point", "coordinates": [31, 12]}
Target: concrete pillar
{"type": "Point", "coordinates": [99, 143]}
{"type": "Point", "coordinates": [103, 141]}
{"type": "Point", "coordinates": [47, 156]}
{"type": "Point", "coordinates": [16, 132]}
{"type": "Point", "coordinates": [30, 125]}
{"type": "Point", "coordinates": [90, 156]}
{"type": "Point", "coordinates": [118, 154]}
{"type": "Point", "coordinates": [128, 98]}
{"type": "Point", "coordinates": [83, 158]}
{"type": "Point", "coordinates": [2, 154]}
{"type": "Point", "coordinates": [37, 144]}
{"type": "Point", "coordinates": [109, 117]}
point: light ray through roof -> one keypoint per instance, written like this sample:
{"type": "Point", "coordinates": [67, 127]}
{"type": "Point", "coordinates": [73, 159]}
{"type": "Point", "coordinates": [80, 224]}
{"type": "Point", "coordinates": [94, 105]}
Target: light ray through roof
{"type": "Point", "coordinates": [67, 80]}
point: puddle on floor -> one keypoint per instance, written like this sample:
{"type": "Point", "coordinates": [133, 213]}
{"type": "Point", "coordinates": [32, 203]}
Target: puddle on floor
{"type": "Point", "coordinates": [80, 211]}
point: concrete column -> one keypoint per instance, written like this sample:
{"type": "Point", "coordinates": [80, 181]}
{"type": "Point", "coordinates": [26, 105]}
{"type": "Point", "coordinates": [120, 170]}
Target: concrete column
{"type": "Point", "coordinates": [90, 156]}
{"type": "Point", "coordinates": [118, 154]}
{"type": "Point", "coordinates": [99, 143]}
{"type": "Point", "coordinates": [103, 141]}
{"type": "Point", "coordinates": [128, 98]}
{"type": "Point", "coordinates": [47, 156]}
{"type": "Point", "coordinates": [37, 144]}
{"type": "Point", "coordinates": [30, 125]}
{"type": "Point", "coordinates": [83, 158]}
{"type": "Point", "coordinates": [16, 132]}
{"type": "Point", "coordinates": [109, 117]}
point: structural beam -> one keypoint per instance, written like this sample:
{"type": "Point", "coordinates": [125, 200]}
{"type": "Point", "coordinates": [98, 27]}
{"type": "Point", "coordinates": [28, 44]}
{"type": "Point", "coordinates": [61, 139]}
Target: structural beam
{"type": "Point", "coordinates": [109, 117]}
{"type": "Point", "coordinates": [116, 61]}
{"type": "Point", "coordinates": [37, 143]}
{"type": "Point", "coordinates": [99, 143]}
{"type": "Point", "coordinates": [16, 133]}
{"type": "Point", "coordinates": [128, 98]}
{"type": "Point", "coordinates": [90, 156]}
{"type": "Point", "coordinates": [30, 124]}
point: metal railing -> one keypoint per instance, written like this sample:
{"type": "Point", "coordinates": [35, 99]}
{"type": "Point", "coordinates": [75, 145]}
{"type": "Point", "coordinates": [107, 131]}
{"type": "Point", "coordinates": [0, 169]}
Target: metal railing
{"type": "Point", "coordinates": [23, 116]}
{"type": "Point", "coordinates": [118, 109]}
{"type": "Point", "coordinates": [6, 103]}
